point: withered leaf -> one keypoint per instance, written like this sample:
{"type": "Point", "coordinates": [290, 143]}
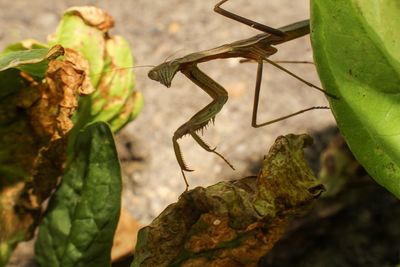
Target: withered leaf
{"type": "Point", "coordinates": [233, 223]}
{"type": "Point", "coordinates": [36, 119]}
{"type": "Point", "coordinates": [65, 81]}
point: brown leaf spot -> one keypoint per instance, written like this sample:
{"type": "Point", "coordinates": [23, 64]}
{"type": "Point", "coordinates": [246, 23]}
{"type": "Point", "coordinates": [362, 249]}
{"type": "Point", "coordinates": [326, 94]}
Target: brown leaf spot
{"type": "Point", "coordinates": [93, 16]}
{"type": "Point", "coordinates": [208, 234]}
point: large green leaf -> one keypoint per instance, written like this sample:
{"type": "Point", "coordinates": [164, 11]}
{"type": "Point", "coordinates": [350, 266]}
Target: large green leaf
{"type": "Point", "coordinates": [80, 223]}
{"type": "Point", "coordinates": [356, 47]}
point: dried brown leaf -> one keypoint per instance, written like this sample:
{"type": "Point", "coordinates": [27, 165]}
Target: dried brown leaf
{"type": "Point", "coordinates": [65, 80]}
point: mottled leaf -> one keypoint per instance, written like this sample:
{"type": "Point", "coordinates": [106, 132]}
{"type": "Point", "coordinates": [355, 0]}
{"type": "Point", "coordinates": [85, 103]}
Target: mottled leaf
{"type": "Point", "coordinates": [117, 81]}
{"type": "Point", "coordinates": [233, 223]}
{"type": "Point", "coordinates": [129, 112]}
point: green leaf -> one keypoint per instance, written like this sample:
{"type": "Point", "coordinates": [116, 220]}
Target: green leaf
{"type": "Point", "coordinates": [27, 44]}
{"type": "Point", "coordinates": [357, 53]}
{"type": "Point", "coordinates": [80, 223]}
{"type": "Point", "coordinates": [33, 61]}
{"type": "Point", "coordinates": [117, 81]}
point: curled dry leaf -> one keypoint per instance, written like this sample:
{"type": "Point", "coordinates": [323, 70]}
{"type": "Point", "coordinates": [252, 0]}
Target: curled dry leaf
{"type": "Point", "coordinates": [55, 52]}
{"type": "Point", "coordinates": [93, 16]}
{"type": "Point", "coordinates": [55, 101]}
{"type": "Point", "coordinates": [233, 223]}
{"type": "Point", "coordinates": [81, 66]}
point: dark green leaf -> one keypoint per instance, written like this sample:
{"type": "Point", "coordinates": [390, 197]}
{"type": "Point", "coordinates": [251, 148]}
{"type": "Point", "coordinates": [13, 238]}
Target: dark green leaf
{"type": "Point", "coordinates": [10, 82]}
{"type": "Point", "coordinates": [82, 216]}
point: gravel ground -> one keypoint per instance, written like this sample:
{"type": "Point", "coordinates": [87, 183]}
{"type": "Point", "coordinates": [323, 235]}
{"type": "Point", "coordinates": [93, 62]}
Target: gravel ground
{"type": "Point", "coordinates": [160, 29]}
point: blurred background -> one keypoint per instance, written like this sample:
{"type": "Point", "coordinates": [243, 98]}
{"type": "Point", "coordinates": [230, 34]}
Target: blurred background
{"type": "Point", "coordinates": [162, 29]}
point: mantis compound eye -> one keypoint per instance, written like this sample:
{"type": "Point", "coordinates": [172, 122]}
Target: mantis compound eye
{"type": "Point", "coordinates": [153, 75]}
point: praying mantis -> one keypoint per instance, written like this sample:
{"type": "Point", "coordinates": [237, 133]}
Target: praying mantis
{"type": "Point", "coordinates": [257, 48]}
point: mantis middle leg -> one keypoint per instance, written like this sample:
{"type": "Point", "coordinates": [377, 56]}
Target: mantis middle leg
{"type": "Point", "coordinates": [257, 96]}
{"type": "Point", "coordinates": [276, 32]}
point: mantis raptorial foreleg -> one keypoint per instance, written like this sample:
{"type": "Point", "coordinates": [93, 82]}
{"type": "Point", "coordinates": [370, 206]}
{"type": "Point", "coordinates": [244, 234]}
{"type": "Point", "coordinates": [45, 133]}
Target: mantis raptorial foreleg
{"type": "Point", "coordinates": [257, 48]}
{"type": "Point", "coordinates": [202, 118]}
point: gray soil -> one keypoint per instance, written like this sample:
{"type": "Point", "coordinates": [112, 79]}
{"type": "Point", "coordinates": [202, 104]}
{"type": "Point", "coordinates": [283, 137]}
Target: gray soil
{"type": "Point", "coordinates": [161, 29]}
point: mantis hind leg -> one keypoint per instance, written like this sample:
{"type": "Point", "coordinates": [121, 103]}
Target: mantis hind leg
{"type": "Point", "coordinates": [251, 23]}
{"type": "Point", "coordinates": [257, 96]}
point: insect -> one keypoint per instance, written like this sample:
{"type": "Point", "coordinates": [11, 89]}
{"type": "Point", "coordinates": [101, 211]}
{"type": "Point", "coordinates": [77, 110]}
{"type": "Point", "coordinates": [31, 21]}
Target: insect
{"type": "Point", "coordinates": [257, 48]}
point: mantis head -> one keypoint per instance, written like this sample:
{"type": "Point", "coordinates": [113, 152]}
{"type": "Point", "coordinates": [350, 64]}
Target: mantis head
{"type": "Point", "coordinates": [164, 73]}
